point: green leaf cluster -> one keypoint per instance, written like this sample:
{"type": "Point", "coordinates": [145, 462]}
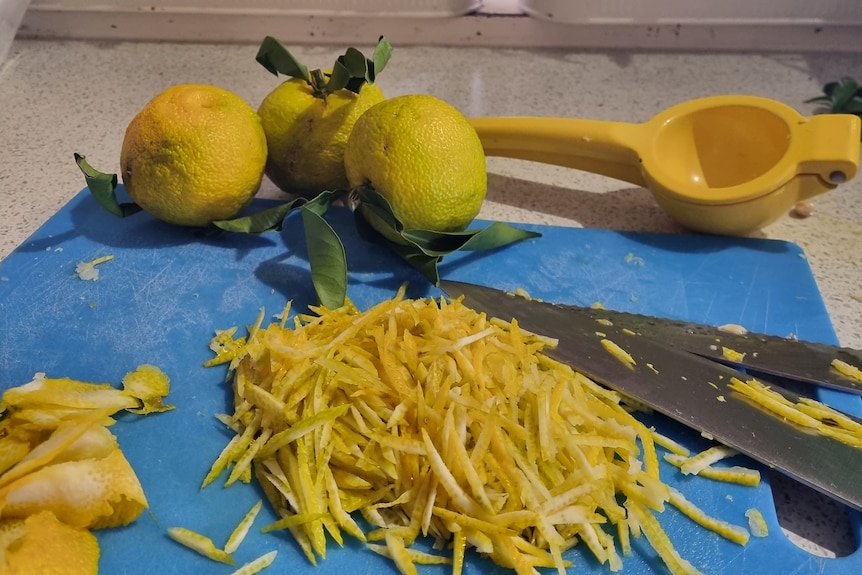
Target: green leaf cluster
{"type": "Point", "coordinates": [350, 71]}
{"type": "Point", "coordinates": [422, 249]}
{"type": "Point", "coordinates": [841, 97]}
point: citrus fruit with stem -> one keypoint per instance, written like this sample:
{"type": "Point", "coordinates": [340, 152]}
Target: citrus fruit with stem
{"type": "Point", "coordinates": [308, 118]}
{"type": "Point", "coordinates": [194, 154]}
{"type": "Point", "coordinates": [424, 157]}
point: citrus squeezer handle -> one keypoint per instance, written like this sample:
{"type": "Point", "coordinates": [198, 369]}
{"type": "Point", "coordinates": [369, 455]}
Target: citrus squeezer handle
{"type": "Point", "coordinates": [828, 147]}
{"type": "Point", "coordinates": [605, 148]}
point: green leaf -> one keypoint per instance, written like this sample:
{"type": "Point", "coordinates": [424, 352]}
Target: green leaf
{"type": "Point", "coordinates": [339, 78]}
{"type": "Point", "coordinates": [103, 188]}
{"type": "Point", "coordinates": [419, 260]}
{"type": "Point", "coordinates": [267, 220]}
{"type": "Point", "coordinates": [326, 257]}
{"type": "Point", "coordinates": [357, 67]}
{"type": "Point", "coordinates": [843, 92]}
{"type": "Point", "coordinates": [355, 63]}
{"type": "Point", "coordinates": [497, 235]}
{"type": "Point", "coordinates": [352, 69]}
{"type": "Point", "coordinates": [321, 202]}
{"type": "Point", "coordinates": [381, 56]}
{"type": "Point", "coordinates": [273, 56]}
{"type": "Point", "coordinates": [373, 201]}
{"type": "Point", "coordinates": [853, 107]}
{"type": "Point", "coordinates": [829, 87]}
{"type": "Point", "coordinates": [438, 243]}
{"type": "Point", "coordinates": [364, 229]}
{"type": "Point", "coordinates": [355, 85]}
{"type": "Point", "coordinates": [425, 248]}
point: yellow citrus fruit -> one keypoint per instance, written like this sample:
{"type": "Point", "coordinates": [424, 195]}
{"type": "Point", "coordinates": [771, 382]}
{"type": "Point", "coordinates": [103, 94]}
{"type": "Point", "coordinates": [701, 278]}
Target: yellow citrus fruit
{"type": "Point", "coordinates": [424, 157]}
{"type": "Point", "coordinates": [42, 545]}
{"type": "Point", "coordinates": [306, 134]}
{"type": "Point", "coordinates": [194, 154]}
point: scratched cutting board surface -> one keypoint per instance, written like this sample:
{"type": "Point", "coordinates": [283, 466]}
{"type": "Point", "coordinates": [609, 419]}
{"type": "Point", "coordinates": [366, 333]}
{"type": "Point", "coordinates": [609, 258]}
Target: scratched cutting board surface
{"type": "Point", "coordinates": [168, 289]}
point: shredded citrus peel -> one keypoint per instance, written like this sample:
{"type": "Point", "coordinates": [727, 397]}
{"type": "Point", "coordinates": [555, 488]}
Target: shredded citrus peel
{"type": "Point", "coordinates": [734, 533]}
{"type": "Point", "coordinates": [733, 474]}
{"type": "Point", "coordinates": [237, 536]}
{"type": "Point", "coordinates": [429, 419]}
{"type": "Point", "coordinates": [805, 412]}
{"type": "Point", "coordinates": [200, 544]}
{"type": "Point", "coordinates": [87, 271]}
{"type": "Point", "coordinates": [847, 369]}
{"type": "Point", "coordinates": [732, 355]}
{"type": "Point", "coordinates": [619, 353]}
{"type": "Point", "coordinates": [257, 565]}
{"type": "Point", "coordinates": [205, 546]}
{"type": "Point", "coordinates": [756, 523]}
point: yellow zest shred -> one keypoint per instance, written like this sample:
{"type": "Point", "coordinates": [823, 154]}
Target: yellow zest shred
{"type": "Point", "coordinates": [646, 523]}
{"type": "Point", "coordinates": [200, 544]}
{"type": "Point", "coordinates": [619, 353]}
{"type": "Point", "coordinates": [732, 355]}
{"type": "Point", "coordinates": [668, 443]}
{"type": "Point", "coordinates": [238, 534]}
{"type": "Point", "coordinates": [772, 401]}
{"type": "Point", "coordinates": [257, 565]}
{"type": "Point", "coordinates": [756, 523]}
{"type": "Point", "coordinates": [696, 463]}
{"type": "Point", "coordinates": [727, 530]}
{"type": "Point", "coordinates": [87, 270]}
{"type": "Point", "coordinates": [735, 474]}
{"type": "Point", "coordinates": [416, 556]}
{"type": "Point", "coordinates": [225, 347]}
{"type": "Point", "coordinates": [847, 370]}
{"type": "Point", "coordinates": [429, 419]}
{"type": "Point", "coordinates": [806, 412]}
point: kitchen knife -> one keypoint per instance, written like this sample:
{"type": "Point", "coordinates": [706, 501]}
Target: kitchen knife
{"type": "Point", "coordinates": [798, 360]}
{"type": "Point", "coordinates": [686, 387]}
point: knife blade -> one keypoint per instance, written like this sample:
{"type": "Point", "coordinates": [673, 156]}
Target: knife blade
{"type": "Point", "coordinates": [804, 361]}
{"type": "Point", "coordinates": [686, 387]}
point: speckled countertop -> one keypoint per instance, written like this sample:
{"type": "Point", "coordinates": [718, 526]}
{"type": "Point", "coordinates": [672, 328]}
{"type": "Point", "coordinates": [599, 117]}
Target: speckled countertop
{"type": "Point", "coordinates": [57, 98]}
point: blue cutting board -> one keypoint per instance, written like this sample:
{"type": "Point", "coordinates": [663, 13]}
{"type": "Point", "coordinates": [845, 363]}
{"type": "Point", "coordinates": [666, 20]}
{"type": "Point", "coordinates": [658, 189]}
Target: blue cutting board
{"type": "Point", "coordinates": [168, 289]}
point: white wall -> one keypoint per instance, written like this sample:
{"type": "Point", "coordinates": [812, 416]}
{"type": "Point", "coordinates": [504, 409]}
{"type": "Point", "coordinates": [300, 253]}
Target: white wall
{"type": "Point", "coordinates": [789, 25]}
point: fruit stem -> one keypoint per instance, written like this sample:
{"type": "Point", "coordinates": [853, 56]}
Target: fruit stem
{"type": "Point", "coordinates": [318, 84]}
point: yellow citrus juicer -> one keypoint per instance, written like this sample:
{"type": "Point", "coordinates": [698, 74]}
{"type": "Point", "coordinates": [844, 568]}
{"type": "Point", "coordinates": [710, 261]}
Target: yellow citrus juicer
{"type": "Point", "coordinates": [725, 165]}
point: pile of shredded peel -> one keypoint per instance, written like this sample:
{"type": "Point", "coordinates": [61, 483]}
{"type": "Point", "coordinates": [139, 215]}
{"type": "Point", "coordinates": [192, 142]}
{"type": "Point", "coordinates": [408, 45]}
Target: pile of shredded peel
{"type": "Point", "coordinates": [427, 419]}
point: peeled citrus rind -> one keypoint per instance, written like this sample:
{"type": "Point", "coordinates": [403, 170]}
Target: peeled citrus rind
{"type": "Point", "coordinates": [92, 493]}
{"type": "Point", "coordinates": [150, 385]}
{"type": "Point", "coordinates": [47, 393]}
{"type": "Point", "coordinates": [65, 435]}
{"type": "Point", "coordinates": [43, 545]}
{"type": "Point", "coordinates": [62, 472]}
